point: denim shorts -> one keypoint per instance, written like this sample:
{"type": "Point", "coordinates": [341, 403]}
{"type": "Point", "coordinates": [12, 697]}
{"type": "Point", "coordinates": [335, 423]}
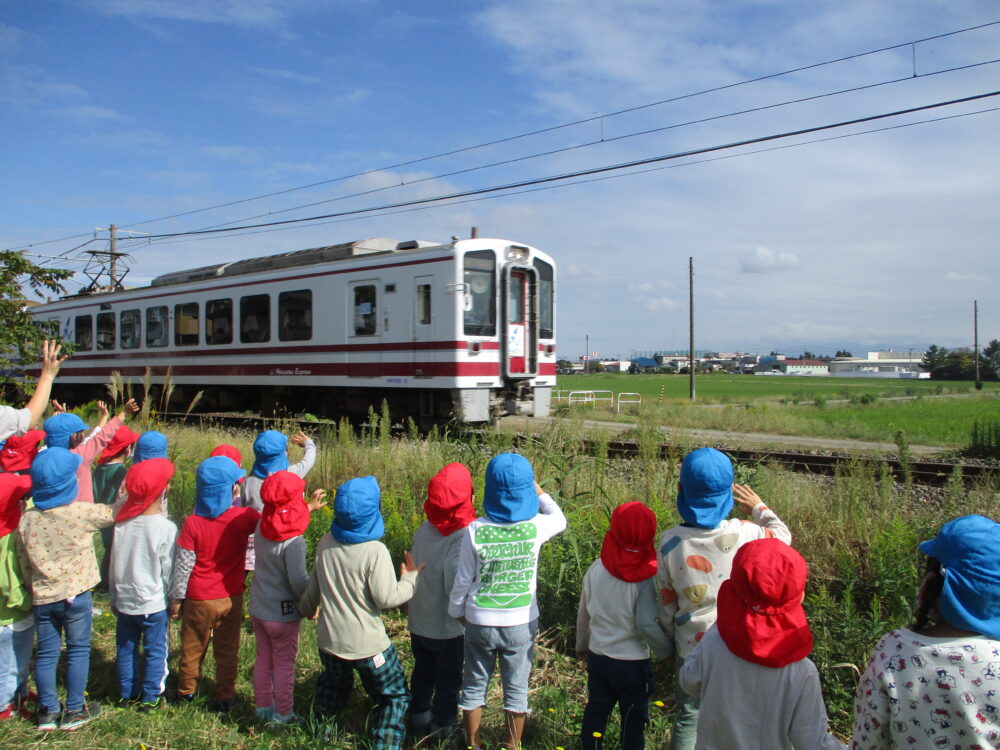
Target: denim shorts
{"type": "Point", "coordinates": [514, 646]}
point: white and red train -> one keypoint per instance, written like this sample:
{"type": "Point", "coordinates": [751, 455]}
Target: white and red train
{"type": "Point", "coordinates": [462, 330]}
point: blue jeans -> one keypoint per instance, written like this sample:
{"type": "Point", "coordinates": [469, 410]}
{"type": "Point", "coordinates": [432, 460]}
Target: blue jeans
{"type": "Point", "coordinates": [436, 679]}
{"type": "Point", "coordinates": [151, 632]}
{"type": "Point", "coordinates": [685, 732]}
{"type": "Point", "coordinates": [514, 647]}
{"type": "Point", "coordinates": [51, 621]}
{"type": "Point", "coordinates": [15, 656]}
{"type": "Point", "coordinates": [627, 683]}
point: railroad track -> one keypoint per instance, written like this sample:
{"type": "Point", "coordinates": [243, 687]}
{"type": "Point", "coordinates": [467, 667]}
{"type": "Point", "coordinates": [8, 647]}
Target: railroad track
{"type": "Point", "coordinates": [931, 473]}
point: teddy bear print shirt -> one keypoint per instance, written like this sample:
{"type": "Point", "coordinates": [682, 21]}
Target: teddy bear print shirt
{"type": "Point", "coordinates": [693, 564]}
{"type": "Point", "coordinates": [920, 691]}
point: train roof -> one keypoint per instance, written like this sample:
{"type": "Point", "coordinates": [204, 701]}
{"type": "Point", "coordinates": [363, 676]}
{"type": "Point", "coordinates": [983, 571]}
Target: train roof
{"type": "Point", "coordinates": [344, 251]}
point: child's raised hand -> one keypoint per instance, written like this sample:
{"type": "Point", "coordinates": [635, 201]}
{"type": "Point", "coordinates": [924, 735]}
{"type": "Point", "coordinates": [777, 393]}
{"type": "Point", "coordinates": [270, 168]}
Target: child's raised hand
{"type": "Point", "coordinates": [408, 566]}
{"type": "Point", "coordinates": [299, 439]}
{"type": "Point", "coordinates": [745, 498]}
{"type": "Point", "coordinates": [102, 409]}
{"type": "Point", "coordinates": [59, 408]}
{"type": "Point", "coordinates": [129, 407]}
{"type": "Point", "coordinates": [317, 501]}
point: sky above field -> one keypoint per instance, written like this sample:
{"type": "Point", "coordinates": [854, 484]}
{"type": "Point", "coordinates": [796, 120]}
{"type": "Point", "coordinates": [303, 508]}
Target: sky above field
{"type": "Point", "coordinates": [129, 111]}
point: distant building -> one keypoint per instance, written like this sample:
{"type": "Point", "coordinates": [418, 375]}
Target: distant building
{"type": "Point", "coordinates": [883, 364]}
{"type": "Point", "coordinates": [781, 365]}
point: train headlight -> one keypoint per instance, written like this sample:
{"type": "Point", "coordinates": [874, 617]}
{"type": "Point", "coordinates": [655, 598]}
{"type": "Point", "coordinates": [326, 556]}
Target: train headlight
{"type": "Point", "coordinates": [517, 253]}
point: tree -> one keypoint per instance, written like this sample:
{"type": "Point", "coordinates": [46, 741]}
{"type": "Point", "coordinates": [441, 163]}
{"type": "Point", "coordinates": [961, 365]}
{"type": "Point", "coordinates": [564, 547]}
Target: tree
{"type": "Point", "coordinates": [989, 361]}
{"type": "Point", "coordinates": [843, 353]}
{"type": "Point", "coordinates": [957, 365]}
{"type": "Point", "coordinates": [807, 355]}
{"type": "Point", "coordinates": [934, 358]}
{"type": "Point", "coordinates": [20, 335]}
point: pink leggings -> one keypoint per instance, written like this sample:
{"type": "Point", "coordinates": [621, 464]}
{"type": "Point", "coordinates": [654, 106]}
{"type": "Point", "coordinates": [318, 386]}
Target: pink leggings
{"type": "Point", "coordinates": [274, 670]}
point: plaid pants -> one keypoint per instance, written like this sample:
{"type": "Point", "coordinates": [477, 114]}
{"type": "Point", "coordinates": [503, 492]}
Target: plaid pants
{"type": "Point", "coordinates": [385, 685]}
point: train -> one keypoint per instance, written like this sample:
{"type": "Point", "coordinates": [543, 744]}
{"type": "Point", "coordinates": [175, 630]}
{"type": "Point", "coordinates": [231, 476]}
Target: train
{"type": "Point", "coordinates": [462, 331]}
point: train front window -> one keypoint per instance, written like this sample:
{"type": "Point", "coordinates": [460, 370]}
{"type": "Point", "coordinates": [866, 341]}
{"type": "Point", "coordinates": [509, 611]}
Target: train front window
{"type": "Point", "coordinates": [186, 324]}
{"type": "Point", "coordinates": [130, 323]}
{"type": "Point", "coordinates": [546, 308]}
{"type": "Point", "coordinates": [480, 277]}
{"type": "Point", "coordinates": [157, 327]}
{"type": "Point", "coordinates": [255, 318]}
{"type": "Point", "coordinates": [365, 310]}
{"type": "Point", "coordinates": [84, 337]}
{"type": "Point", "coordinates": [219, 321]}
{"type": "Point", "coordinates": [295, 314]}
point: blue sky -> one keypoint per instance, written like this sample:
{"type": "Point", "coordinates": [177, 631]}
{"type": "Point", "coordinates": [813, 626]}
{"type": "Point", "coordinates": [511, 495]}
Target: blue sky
{"type": "Point", "coordinates": [129, 110]}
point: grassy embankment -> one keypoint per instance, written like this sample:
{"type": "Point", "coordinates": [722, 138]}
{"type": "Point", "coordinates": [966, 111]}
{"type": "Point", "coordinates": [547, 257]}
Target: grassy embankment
{"type": "Point", "coordinates": [858, 534]}
{"type": "Point", "coordinates": [933, 413]}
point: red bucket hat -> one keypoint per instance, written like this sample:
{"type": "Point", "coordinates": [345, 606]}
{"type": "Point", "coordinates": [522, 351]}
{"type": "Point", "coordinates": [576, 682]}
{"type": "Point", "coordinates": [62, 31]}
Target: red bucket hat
{"type": "Point", "coordinates": [449, 499]}
{"type": "Point", "coordinates": [760, 615]}
{"type": "Point", "coordinates": [229, 451]}
{"type": "Point", "coordinates": [20, 450]}
{"type": "Point", "coordinates": [123, 438]}
{"type": "Point", "coordinates": [285, 511]}
{"type": "Point", "coordinates": [12, 488]}
{"type": "Point", "coordinates": [144, 483]}
{"type": "Point", "coordinates": [628, 552]}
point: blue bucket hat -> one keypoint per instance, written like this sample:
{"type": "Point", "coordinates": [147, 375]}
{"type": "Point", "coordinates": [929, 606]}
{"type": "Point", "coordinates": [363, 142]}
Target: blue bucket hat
{"type": "Point", "coordinates": [510, 494]}
{"type": "Point", "coordinates": [213, 486]}
{"type": "Point", "coordinates": [59, 427]}
{"type": "Point", "coordinates": [150, 444]}
{"type": "Point", "coordinates": [705, 493]}
{"type": "Point", "coordinates": [269, 450]}
{"type": "Point", "coordinates": [357, 516]}
{"type": "Point", "coordinates": [968, 550]}
{"type": "Point", "coordinates": [53, 478]}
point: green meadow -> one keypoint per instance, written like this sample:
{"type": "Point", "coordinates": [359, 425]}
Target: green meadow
{"type": "Point", "coordinates": [858, 531]}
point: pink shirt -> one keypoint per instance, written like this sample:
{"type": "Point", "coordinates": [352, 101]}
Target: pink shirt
{"type": "Point", "coordinates": [89, 450]}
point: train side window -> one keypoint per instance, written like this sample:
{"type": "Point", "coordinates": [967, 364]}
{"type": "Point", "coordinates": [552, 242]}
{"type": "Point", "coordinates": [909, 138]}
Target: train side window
{"type": "Point", "coordinates": [186, 324]}
{"type": "Point", "coordinates": [219, 321]}
{"type": "Point", "coordinates": [255, 318]}
{"type": "Point", "coordinates": [480, 277]}
{"type": "Point", "coordinates": [546, 308]}
{"type": "Point", "coordinates": [157, 327]}
{"type": "Point", "coordinates": [295, 314]}
{"type": "Point", "coordinates": [423, 304]}
{"type": "Point", "coordinates": [84, 327]}
{"type": "Point", "coordinates": [365, 310]}
{"type": "Point", "coordinates": [130, 323]}
{"type": "Point", "coordinates": [105, 331]}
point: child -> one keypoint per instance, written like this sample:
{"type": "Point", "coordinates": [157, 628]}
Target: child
{"type": "Point", "coordinates": [934, 683]}
{"type": "Point", "coordinates": [150, 444]}
{"type": "Point", "coordinates": [354, 581]}
{"type": "Point", "coordinates": [270, 451]}
{"type": "Point", "coordinates": [617, 625]}
{"type": "Point", "coordinates": [142, 560]}
{"type": "Point", "coordinates": [208, 580]}
{"type": "Point", "coordinates": [108, 478]}
{"type": "Point", "coordinates": [19, 451]}
{"type": "Point", "coordinates": [66, 430]}
{"type": "Point", "coordinates": [696, 556]}
{"type": "Point", "coordinates": [755, 686]}
{"type": "Point", "coordinates": [17, 628]}
{"type": "Point", "coordinates": [58, 555]}
{"type": "Point", "coordinates": [437, 640]}
{"type": "Point", "coordinates": [494, 590]}
{"type": "Point", "coordinates": [278, 583]}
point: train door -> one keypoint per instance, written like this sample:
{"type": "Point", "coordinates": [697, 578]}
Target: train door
{"type": "Point", "coordinates": [364, 333]}
{"type": "Point", "coordinates": [520, 334]}
{"type": "Point", "coordinates": [421, 327]}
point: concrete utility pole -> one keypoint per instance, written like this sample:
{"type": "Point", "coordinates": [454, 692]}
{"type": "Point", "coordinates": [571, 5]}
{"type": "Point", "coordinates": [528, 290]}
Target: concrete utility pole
{"type": "Point", "coordinates": [975, 340]}
{"type": "Point", "coordinates": [106, 261]}
{"type": "Point", "coordinates": [691, 324]}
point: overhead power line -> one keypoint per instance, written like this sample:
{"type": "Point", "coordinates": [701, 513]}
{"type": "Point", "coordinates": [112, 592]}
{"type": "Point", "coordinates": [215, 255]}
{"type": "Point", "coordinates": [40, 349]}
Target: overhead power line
{"type": "Point", "coordinates": [591, 171]}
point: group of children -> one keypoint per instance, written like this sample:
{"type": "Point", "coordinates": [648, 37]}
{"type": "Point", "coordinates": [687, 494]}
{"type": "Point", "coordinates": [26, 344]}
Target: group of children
{"type": "Point", "coordinates": [722, 595]}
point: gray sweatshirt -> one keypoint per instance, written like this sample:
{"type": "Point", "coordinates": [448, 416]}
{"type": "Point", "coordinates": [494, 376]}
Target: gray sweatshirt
{"type": "Point", "coordinates": [279, 579]}
{"type": "Point", "coordinates": [142, 560]}
{"type": "Point", "coordinates": [428, 609]}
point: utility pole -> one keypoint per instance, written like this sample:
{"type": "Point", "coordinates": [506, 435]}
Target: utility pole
{"type": "Point", "coordinates": [586, 354]}
{"type": "Point", "coordinates": [691, 324]}
{"type": "Point", "coordinates": [106, 262]}
{"type": "Point", "coordinates": [975, 341]}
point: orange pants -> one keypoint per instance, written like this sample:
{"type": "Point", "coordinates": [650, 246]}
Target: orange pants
{"type": "Point", "coordinates": [218, 621]}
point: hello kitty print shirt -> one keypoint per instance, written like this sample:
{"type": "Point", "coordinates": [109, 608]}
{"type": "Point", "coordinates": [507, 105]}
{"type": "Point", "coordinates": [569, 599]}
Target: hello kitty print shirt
{"type": "Point", "coordinates": [693, 563]}
{"type": "Point", "coordinates": [925, 692]}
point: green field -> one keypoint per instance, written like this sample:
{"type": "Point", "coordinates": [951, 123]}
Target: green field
{"type": "Point", "coordinates": [929, 412]}
{"type": "Point", "coordinates": [857, 531]}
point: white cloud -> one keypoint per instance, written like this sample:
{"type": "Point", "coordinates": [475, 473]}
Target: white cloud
{"type": "Point", "coordinates": [660, 304]}
{"type": "Point", "coordinates": [290, 76]}
{"type": "Point", "coordinates": [87, 113]}
{"type": "Point", "coordinates": [253, 13]}
{"type": "Point", "coordinates": [965, 276]}
{"type": "Point", "coordinates": [232, 153]}
{"type": "Point", "coordinates": [764, 260]}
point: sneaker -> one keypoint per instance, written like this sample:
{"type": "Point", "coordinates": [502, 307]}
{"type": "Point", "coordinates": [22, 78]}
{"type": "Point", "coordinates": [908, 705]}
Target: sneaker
{"type": "Point", "coordinates": [122, 703]}
{"type": "Point", "coordinates": [184, 698]}
{"type": "Point", "coordinates": [75, 719]}
{"type": "Point", "coordinates": [289, 718]}
{"type": "Point", "coordinates": [47, 721]}
{"type": "Point", "coordinates": [223, 707]}
{"type": "Point", "coordinates": [146, 706]}
{"type": "Point", "coordinates": [8, 712]}
{"type": "Point", "coordinates": [265, 714]}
